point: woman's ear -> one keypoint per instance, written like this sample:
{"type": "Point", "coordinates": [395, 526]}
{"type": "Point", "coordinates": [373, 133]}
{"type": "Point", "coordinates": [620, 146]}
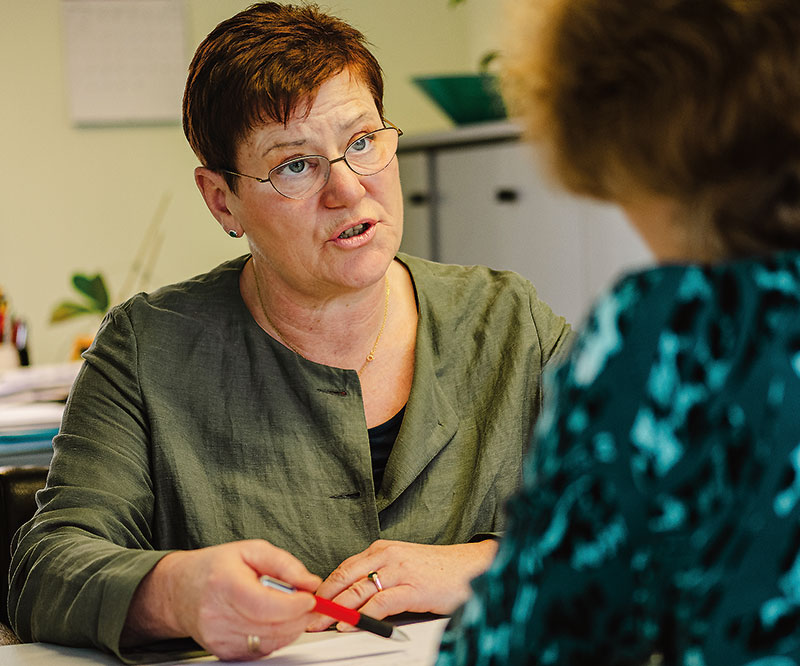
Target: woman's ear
{"type": "Point", "coordinates": [216, 193]}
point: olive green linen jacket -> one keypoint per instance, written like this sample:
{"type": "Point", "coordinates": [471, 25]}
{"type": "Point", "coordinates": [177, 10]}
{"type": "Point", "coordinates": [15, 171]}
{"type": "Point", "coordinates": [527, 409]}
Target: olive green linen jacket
{"type": "Point", "coordinates": [189, 426]}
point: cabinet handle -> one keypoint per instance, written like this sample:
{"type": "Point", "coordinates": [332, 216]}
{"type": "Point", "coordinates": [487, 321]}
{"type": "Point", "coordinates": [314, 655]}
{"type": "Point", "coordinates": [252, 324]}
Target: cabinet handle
{"type": "Point", "coordinates": [418, 198]}
{"type": "Point", "coordinates": [506, 195]}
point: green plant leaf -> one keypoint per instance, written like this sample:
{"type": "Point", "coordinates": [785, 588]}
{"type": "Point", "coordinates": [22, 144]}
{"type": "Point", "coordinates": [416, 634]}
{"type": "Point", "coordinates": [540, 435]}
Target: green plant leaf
{"type": "Point", "coordinates": [94, 288]}
{"type": "Point", "coordinates": [486, 60]}
{"type": "Point", "coordinates": [67, 310]}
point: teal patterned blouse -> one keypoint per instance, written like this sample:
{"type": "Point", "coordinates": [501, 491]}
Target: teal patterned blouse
{"type": "Point", "coordinates": [660, 513]}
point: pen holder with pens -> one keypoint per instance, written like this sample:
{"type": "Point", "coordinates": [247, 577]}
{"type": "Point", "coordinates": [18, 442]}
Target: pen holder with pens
{"type": "Point", "coordinates": [13, 338]}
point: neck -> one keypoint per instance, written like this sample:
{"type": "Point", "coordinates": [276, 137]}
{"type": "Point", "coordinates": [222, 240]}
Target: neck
{"type": "Point", "coordinates": [339, 331]}
{"type": "Point", "coordinates": [663, 226]}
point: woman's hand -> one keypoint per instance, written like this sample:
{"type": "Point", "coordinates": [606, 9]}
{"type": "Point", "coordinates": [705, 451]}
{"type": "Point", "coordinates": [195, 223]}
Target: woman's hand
{"type": "Point", "coordinates": [214, 596]}
{"type": "Point", "coordinates": [414, 577]}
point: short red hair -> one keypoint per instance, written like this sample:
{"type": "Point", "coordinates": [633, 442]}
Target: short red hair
{"type": "Point", "coordinates": [258, 66]}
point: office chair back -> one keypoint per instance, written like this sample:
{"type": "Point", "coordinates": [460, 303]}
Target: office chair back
{"type": "Point", "coordinates": [18, 486]}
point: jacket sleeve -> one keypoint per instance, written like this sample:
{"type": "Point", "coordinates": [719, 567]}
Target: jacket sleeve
{"type": "Point", "coordinates": [555, 334]}
{"type": "Point", "coordinates": [555, 337]}
{"type": "Point", "coordinates": [539, 603]}
{"type": "Point", "coordinates": [77, 563]}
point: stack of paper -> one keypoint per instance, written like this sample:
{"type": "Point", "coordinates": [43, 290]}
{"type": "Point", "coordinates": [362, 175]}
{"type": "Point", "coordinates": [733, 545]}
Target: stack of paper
{"type": "Point", "coordinates": [31, 405]}
{"type": "Point", "coordinates": [38, 383]}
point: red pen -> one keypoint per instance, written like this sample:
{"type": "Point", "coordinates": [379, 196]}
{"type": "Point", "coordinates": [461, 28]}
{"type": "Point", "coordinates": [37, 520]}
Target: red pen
{"type": "Point", "coordinates": [342, 613]}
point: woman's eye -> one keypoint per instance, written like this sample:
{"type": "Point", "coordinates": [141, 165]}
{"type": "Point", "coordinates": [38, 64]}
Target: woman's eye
{"type": "Point", "coordinates": [294, 168]}
{"type": "Point", "coordinates": [362, 144]}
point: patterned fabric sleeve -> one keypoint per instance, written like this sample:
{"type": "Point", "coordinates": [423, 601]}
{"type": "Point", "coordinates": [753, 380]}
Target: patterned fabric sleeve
{"type": "Point", "coordinates": [559, 561]}
{"type": "Point", "coordinates": [660, 512]}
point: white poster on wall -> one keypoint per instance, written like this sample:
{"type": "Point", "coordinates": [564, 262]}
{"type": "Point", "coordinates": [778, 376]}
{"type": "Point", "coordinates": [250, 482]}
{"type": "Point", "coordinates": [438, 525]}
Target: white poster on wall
{"type": "Point", "coordinates": [125, 60]}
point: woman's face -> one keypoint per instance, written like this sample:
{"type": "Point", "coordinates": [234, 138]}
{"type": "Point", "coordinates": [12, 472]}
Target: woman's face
{"type": "Point", "coordinates": [306, 244]}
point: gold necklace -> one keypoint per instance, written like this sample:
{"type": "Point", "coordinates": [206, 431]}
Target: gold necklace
{"type": "Point", "coordinates": [370, 357]}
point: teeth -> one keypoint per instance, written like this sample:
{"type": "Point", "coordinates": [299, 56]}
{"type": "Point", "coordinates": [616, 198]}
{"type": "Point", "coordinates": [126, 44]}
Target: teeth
{"type": "Point", "coordinates": [353, 231]}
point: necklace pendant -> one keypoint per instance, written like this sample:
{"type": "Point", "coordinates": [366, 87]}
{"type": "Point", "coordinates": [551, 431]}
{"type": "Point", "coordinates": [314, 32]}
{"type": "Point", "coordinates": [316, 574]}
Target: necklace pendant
{"type": "Point", "coordinates": [370, 356]}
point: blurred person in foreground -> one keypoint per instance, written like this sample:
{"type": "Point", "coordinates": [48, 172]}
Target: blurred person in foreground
{"type": "Point", "coordinates": [323, 403]}
{"type": "Point", "coordinates": [659, 521]}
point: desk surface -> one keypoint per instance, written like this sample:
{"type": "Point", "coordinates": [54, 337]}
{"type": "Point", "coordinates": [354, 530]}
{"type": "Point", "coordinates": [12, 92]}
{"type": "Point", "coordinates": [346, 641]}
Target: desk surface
{"type": "Point", "coordinates": [351, 649]}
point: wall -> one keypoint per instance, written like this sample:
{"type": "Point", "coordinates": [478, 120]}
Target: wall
{"type": "Point", "coordinates": [82, 199]}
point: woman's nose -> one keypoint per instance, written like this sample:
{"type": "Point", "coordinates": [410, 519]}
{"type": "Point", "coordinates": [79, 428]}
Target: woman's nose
{"type": "Point", "coordinates": [344, 186]}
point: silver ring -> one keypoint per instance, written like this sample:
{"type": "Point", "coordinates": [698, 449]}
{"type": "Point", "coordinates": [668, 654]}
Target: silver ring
{"type": "Point", "coordinates": [253, 643]}
{"type": "Point", "coordinates": [373, 576]}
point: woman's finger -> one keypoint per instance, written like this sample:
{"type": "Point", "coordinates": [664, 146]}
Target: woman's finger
{"type": "Point", "coordinates": [222, 598]}
{"type": "Point", "coordinates": [354, 596]}
{"type": "Point", "coordinates": [357, 594]}
{"type": "Point", "coordinates": [349, 572]}
{"type": "Point", "coordinates": [394, 600]}
{"type": "Point", "coordinates": [265, 558]}
{"type": "Point", "coordinates": [251, 641]}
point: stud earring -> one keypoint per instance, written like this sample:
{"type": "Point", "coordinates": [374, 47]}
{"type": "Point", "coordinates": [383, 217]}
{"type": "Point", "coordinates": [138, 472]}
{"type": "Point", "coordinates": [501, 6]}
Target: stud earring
{"type": "Point", "coordinates": [233, 234]}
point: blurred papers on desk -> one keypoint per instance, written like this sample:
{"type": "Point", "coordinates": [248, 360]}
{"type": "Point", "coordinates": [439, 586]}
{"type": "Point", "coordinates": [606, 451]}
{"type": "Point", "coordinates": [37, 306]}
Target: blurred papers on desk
{"type": "Point", "coordinates": [31, 405]}
{"type": "Point", "coordinates": [328, 648]}
{"type": "Point", "coordinates": [38, 383]}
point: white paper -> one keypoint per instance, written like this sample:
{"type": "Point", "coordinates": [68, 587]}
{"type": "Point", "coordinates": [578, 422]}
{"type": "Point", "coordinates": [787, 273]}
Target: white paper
{"type": "Point", "coordinates": [58, 376]}
{"type": "Point", "coordinates": [33, 417]}
{"type": "Point", "coordinates": [327, 648]}
{"type": "Point", "coordinates": [358, 648]}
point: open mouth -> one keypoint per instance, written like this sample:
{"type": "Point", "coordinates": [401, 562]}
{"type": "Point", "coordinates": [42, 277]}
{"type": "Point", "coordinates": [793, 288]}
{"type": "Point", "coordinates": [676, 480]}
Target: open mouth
{"type": "Point", "coordinates": [354, 231]}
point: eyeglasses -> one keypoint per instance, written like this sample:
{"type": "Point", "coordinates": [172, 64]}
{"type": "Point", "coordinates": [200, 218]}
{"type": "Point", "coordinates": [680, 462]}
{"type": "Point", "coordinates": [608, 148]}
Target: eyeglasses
{"type": "Point", "coordinates": [302, 177]}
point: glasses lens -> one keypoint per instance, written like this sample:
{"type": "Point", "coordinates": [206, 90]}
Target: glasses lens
{"type": "Point", "coordinates": [300, 177]}
{"type": "Point", "coordinates": [372, 152]}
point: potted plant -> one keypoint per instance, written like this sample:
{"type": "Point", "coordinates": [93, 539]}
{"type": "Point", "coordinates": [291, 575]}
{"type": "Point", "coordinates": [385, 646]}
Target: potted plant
{"type": "Point", "coordinates": [466, 98]}
{"type": "Point", "coordinates": [94, 293]}
{"type": "Point", "coordinates": [94, 301]}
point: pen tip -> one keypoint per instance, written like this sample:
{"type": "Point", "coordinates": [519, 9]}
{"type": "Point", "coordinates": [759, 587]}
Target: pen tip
{"type": "Point", "coordinates": [399, 635]}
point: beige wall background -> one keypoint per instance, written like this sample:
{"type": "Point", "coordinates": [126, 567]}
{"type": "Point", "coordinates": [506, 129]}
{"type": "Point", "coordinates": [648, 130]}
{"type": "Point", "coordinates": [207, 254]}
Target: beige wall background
{"type": "Point", "coordinates": [81, 199]}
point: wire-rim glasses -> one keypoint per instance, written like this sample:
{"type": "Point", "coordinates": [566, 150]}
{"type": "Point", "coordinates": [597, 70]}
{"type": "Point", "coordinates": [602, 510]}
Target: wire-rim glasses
{"type": "Point", "coordinates": [302, 177]}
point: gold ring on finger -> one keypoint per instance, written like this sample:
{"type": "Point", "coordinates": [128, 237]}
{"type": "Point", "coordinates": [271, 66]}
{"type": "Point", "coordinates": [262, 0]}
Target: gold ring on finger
{"type": "Point", "coordinates": [253, 643]}
{"type": "Point", "coordinates": [373, 576]}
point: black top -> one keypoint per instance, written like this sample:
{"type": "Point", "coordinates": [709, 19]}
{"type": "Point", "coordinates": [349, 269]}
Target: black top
{"type": "Point", "coordinates": [381, 441]}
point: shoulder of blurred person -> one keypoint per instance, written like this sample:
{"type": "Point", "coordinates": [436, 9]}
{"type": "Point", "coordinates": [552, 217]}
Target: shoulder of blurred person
{"type": "Point", "coordinates": [663, 453]}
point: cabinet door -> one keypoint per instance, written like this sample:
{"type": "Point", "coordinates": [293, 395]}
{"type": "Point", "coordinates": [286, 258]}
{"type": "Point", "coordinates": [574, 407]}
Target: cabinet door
{"type": "Point", "coordinates": [496, 208]}
{"type": "Point", "coordinates": [415, 177]}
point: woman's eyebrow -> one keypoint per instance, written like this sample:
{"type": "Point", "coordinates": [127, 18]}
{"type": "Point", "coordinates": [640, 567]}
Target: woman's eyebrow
{"type": "Point", "coordinates": [355, 121]}
{"type": "Point", "coordinates": [346, 125]}
{"type": "Point", "coordinates": [284, 144]}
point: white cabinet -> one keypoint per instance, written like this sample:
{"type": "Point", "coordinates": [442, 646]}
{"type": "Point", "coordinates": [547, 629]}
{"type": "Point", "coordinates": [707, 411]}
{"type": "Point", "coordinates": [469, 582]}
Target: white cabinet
{"type": "Point", "coordinates": [477, 196]}
{"type": "Point", "coordinates": [417, 227]}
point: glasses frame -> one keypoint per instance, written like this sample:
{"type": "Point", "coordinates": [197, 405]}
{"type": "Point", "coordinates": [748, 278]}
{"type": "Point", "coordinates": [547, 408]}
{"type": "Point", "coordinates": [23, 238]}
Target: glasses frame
{"type": "Point", "coordinates": [387, 125]}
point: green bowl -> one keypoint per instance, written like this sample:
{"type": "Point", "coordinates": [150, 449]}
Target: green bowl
{"type": "Point", "coordinates": [465, 98]}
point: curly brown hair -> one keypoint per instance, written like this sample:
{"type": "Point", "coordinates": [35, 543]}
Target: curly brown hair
{"type": "Point", "coordinates": [259, 66]}
{"type": "Point", "coordinates": [694, 100]}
